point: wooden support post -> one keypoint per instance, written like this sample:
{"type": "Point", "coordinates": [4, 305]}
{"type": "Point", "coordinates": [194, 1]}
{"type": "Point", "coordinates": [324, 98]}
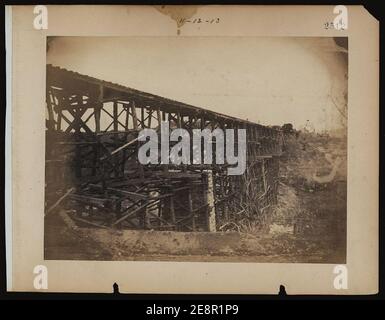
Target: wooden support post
{"type": "Point", "coordinates": [190, 130]}
{"type": "Point", "coordinates": [51, 119]}
{"type": "Point", "coordinates": [223, 192]}
{"type": "Point", "coordinates": [127, 109]}
{"type": "Point", "coordinates": [149, 116]}
{"type": "Point", "coordinates": [98, 151]}
{"type": "Point", "coordinates": [211, 222]}
{"type": "Point", "coordinates": [98, 108]}
{"type": "Point", "coordinates": [165, 166]}
{"type": "Point", "coordinates": [78, 158]}
{"type": "Point", "coordinates": [160, 211]}
{"type": "Point", "coordinates": [178, 120]}
{"type": "Point", "coordinates": [118, 208]}
{"type": "Point", "coordinates": [144, 217]}
{"type": "Point", "coordinates": [264, 176]}
{"type": "Point", "coordinates": [135, 121]}
{"type": "Point", "coordinates": [172, 211]}
{"type": "Point", "coordinates": [58, 120]}
{"type": "Point", "coordinates": [158, 116]}
{"type": "Point", "coordinates": [142, 117]}
{"type": "Point", "coordinates": [134, 116]}
{"type": "Point", "coordinates": [115, 137]}
{"type": "Point", "coordinates": [126, 127]}
{"type": "Point", "coordinates": [97, 111]}
{"type": "Point", "coordinates": [203, 126]}
{"type": "Point", "coordinates": [191, 209]}
{"type": "Point", "coordinates": [255, 135]}
{"type": "Point", "coordinates": [95, 158]}
{"type": "Point", "coordinates": [115, 114]}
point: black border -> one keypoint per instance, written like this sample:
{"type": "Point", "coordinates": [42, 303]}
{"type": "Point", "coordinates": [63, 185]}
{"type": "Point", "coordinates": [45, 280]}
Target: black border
{"type": "Point", "coordinates": [248, 303]}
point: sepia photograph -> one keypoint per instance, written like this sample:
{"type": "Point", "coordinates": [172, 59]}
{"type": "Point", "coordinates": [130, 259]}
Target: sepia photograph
{"type": "Point", "coordinates": [192, 150]}
{"type": "Point", "coordinates": [196, 149]}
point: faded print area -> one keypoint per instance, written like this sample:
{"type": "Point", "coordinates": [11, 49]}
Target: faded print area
{"type": "Point", "coordinates": [289, 94]}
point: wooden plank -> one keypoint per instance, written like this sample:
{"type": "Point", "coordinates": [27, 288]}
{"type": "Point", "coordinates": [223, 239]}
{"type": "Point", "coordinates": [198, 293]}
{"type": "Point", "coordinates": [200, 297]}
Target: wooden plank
{"type": "Point", "coordinates": [90, 223]}
{"type": "Point", "coordinates": [68, 220]}
{"type": "Point", "coordinates": [69, 191]}
{"type": "Point", "coordinates": [128, 193]}
{"type": "Point", "coordinates": [134, 116]}
{"type": "Point", "coordinates": [130, 214]}
{"type": "Point", "coordinates": [120, 148]}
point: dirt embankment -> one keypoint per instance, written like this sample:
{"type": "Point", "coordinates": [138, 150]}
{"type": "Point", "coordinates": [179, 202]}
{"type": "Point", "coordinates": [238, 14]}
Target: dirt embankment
{"type": "Point", "coordinates": [312, 196]}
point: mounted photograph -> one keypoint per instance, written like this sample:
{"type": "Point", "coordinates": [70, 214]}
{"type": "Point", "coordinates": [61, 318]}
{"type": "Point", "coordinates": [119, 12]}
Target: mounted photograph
{"type": "Point", "coordinates": [161, 149]}
{"type": "Point", "coordinates": [192, 149]}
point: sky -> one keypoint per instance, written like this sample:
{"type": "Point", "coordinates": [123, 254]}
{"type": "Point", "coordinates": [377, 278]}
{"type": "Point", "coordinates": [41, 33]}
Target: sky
{"type": "Point", "coordinates": [271, 81]}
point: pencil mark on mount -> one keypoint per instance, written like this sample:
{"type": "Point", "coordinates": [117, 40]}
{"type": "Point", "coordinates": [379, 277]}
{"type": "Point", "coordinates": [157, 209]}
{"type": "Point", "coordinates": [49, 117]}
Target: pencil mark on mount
{"type": "Point", "coordinates": [180, 14]}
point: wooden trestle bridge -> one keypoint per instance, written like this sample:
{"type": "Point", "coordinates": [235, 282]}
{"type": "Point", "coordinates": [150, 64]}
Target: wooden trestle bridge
{"type": "Point", "coordinates": [93, 172]}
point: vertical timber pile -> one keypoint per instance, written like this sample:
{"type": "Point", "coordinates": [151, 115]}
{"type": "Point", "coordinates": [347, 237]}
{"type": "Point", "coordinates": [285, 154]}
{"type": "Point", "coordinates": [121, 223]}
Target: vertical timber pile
{"type": "Point", "coordinates": [211, 218]}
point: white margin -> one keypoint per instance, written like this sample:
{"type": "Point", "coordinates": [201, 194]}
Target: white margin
{"type": "Point", "coordinates": [8, 146]}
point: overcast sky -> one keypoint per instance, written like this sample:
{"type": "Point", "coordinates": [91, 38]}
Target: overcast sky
{"type": "Point", "coordinates": [267, 80]}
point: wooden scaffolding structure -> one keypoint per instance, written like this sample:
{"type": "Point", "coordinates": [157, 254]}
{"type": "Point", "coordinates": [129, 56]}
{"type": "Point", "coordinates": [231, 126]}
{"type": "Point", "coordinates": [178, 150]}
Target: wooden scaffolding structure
{"type": "Point", "coordinates": [92, 168]}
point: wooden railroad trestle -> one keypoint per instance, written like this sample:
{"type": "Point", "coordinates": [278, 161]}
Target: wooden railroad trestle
{"type": "Point", "coordinates": [92, 168]}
